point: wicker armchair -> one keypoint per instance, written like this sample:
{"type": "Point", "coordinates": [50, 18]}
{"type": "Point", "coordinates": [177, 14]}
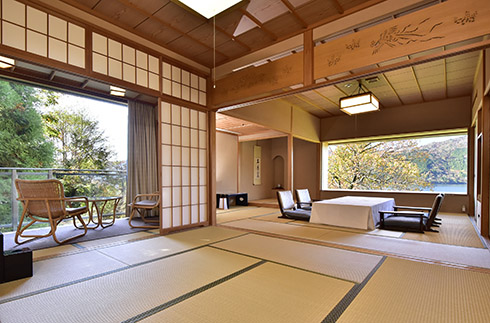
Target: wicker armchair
{"type": "Point", "coordinates": [143, 203]}
{"type": "Point", "coordinates": [45, 201]}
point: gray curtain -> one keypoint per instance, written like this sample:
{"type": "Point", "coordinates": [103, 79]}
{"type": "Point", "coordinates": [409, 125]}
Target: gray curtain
{"type": "Point", "coordinates": [142, 150]}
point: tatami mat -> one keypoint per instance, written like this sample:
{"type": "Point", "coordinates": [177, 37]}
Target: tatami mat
{"type": "Point", "coordinates": [456, 229]}
{"type": "Point", "coordinates": [279, 228]}
{"type": "Point", "coordinates": [245, 213]}
{"type": "Point", "coordinates": [53, 251]}
{"type": "Point", "coordinates": [349, 265]}
{"type": "Point", "coordinates": [144, 250]}
{"type": "Point", "coordinates": [117, 239]}
{"type": "Point", "coordinates": [407, 291]}
{"type": "Point", "coordinates": [385, 233]}
{"type": "Point", "coordinates": [477, 257]}
{"type": "Point", "coordinates": [127, 293]}
{"type": "Point", "coordinates": [268, 293]}
{"type": "Point", "coordinates": [275, 218]}
{"type": "Point", "coordinates": [234, 208]}
{"type": "Point", "coordinates": [55, 271]}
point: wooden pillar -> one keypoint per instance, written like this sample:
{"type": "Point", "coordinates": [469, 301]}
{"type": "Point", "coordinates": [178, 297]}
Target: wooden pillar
{"type": "Point", "coordinates": [470, 208]}
{"type": "Point", "coordinates": [308, 51]}
{"type": "Point", "coordinates": [289, 164]}
{"type": "Point", "coordinates": [485, 171]}
{"type": "Point", "coordinates": [212, 168]}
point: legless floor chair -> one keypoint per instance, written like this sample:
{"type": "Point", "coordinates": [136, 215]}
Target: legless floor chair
{"type": "Point", "coordinates": [143, 203]}
{"type": "Point", "coordinates": [411, 220]}
{"type": "Point", "coordinates": [303, 199]}
{"type": "Point", "coordinates": [288, 207]}
{"type": "Point", "coordinates": [44, 201]}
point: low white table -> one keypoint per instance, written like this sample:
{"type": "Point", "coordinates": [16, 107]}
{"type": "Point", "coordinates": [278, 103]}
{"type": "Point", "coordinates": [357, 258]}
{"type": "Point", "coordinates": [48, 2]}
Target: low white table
{"type": "Point", "coordinates": [350, 211]}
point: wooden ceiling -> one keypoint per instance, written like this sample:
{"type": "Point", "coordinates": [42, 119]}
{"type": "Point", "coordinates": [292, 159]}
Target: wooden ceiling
{"type": "Point", "coordinates": [245, 130]}
{"type": "Point", "coordinates": [252, 25]}
{"type": "Point", "coordinates": [437, 80]}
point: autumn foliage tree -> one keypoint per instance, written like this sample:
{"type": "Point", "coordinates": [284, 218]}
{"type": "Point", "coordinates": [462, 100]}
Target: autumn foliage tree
{"type": "Point", "coordinates": [377, 166]}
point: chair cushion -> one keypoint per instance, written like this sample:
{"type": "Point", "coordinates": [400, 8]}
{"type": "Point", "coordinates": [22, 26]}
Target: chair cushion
{"type": "Point", "coordinates": [403, 223]}
{"type": "Point", "coordinates": [76, 210]}
{"type": "Point", "coordinates": [299, 214]}
{"type": "Point", "coordinates": [145, 204]}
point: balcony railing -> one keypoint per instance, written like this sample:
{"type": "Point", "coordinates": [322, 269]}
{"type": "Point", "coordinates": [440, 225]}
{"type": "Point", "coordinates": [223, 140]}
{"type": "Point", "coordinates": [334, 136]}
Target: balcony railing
{"type": "Point", "coordinates": [77, 182]}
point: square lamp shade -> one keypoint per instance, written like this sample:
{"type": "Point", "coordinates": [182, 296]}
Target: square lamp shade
{"type": "Point", "coordinates": [364, 102]}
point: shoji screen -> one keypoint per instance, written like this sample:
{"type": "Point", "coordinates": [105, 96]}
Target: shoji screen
{"type": "Point", "coordinates": [184, 166]}
{"type": "Point", "coordinates": [29, 29]}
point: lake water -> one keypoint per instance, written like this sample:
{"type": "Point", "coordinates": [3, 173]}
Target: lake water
{"type": "Point", "coordinates": [449, 188]}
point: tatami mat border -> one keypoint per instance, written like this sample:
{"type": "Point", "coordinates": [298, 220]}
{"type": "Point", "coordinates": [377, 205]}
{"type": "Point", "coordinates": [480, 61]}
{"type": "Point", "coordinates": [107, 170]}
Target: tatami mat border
{"type": "Point", "coordinates": [197, 291]}
{"type": "Point", "coordinates": [363, 250]}
{"type": "Point", "coordinates": [250, 217]}
{"type": "Point", "coordinates": [339, 309]}
{"type": "Point", "coordinates": [40, 291]}
{"type": "Point", "coordinates": [82, 249]}
{"type": "Point", "coordinates": [235, 210]}
{"type": "Point", "coordinates": [282, 264]}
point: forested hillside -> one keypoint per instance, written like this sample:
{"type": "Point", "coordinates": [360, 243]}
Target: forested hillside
{"type": "Point", "coordinates": [447, 161]}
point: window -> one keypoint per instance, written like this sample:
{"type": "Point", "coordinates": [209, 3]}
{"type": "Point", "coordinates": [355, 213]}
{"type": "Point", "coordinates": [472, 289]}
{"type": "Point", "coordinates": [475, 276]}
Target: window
{"type": "Point", "coordinates": [416, 162]}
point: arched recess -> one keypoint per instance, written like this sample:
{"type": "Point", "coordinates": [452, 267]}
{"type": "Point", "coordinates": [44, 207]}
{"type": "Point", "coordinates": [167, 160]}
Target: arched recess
{"type": "Point", "coordinates": [278, 168]}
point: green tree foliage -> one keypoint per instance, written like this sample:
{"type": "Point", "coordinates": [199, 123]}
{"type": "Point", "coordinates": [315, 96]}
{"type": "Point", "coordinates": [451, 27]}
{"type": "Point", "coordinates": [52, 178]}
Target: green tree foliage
{"type": "Point", "coordinates": [377, 166]}
{"type": "Point", "coordinates": [79, 142]}
{"type": "Point", "coordinates": [22, 141]}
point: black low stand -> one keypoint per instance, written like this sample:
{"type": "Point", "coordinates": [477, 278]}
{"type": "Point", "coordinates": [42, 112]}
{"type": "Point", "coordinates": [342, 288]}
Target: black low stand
{"type": "Point", "coordinates": [14, 264]}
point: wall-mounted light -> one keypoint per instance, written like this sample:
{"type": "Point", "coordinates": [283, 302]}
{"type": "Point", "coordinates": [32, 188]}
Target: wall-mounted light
{"type": "Point", "coordinates": [359, 103]}
{"type": "Point", "coordinates": [117, 91]}
{"type": "Point", "coordinates": [6, 62]}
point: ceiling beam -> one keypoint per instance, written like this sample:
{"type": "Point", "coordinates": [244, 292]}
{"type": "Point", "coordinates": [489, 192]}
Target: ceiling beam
{"type": "Point", "coordinates": [258, 23]}
{"type": "Point", "coordinates": [327, 99]}
{"type": "Point", "coordinates": [417, 82]}
{"type": "Point", "coordinates": [233, 38]}
{"type": "Point", "coordinates": [167, 25]}
{"type": "Point", "coordinates": [391, 86]}
{"type": "Point", "coordinates": [444, 61]}
{"type": "Point", "coordinates": [96, 4]}
{"type": "Point", "coordinates": [295, 14]}
{"type": "Point", "coordinates": [245, 101]}
{"type": "Point", "coordinates": [339, 8]}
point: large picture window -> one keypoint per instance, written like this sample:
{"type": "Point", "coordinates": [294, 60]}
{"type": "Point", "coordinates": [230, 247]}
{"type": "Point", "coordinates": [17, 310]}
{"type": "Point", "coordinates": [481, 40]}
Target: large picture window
{"type": "Point", "coordinates": [416, 162]}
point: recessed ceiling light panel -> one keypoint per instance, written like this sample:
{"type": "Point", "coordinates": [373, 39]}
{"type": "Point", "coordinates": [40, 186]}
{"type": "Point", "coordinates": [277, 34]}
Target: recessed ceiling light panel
{"type": "Point", "coordinates": [209, 8]}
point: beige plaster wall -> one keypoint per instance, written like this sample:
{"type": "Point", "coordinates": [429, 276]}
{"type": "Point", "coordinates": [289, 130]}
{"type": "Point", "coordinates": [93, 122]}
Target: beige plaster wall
{"type": "Point", "coordinates": [305, 125]}
{"type": "Point", "coordinates": [438, 115]}
{"type": "Point", "coordinates": [270, 149]}
{"type": "Point", "coordinates": [281, 116]}
{"type": "Point", "coordinates": [306, 169]}
{"type": "Point", "coordinates": [226, 163]}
